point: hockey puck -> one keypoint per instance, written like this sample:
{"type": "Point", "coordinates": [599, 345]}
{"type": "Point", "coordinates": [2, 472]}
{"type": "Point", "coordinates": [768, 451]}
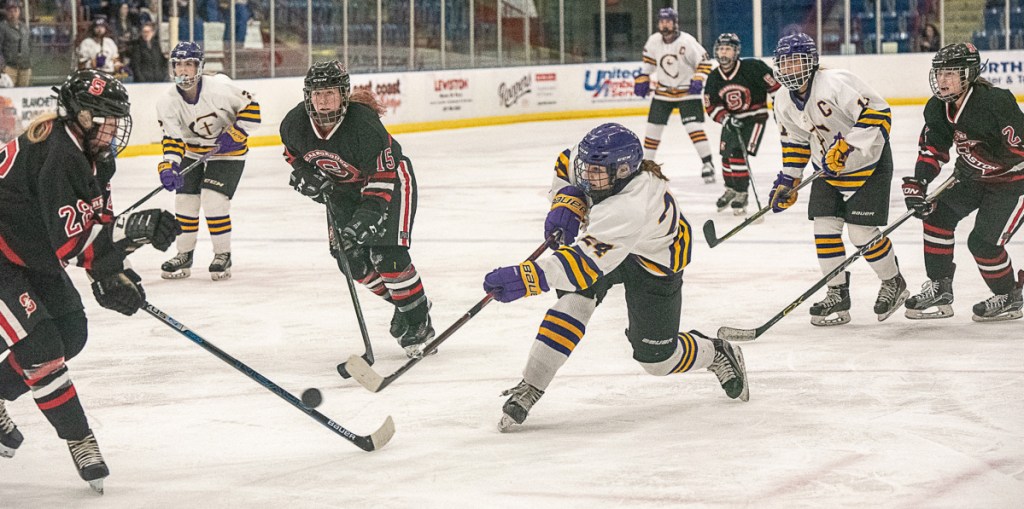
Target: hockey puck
{"type": "Point", "coordinates": [312, 398]}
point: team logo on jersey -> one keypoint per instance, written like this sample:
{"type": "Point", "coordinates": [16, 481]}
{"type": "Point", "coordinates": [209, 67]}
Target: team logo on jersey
{"type": "Point", "coordinates": [207, 126]}
{"type": "Point", "coordinates": [966, 148]}
{"type": "Point", "coordinates": [736, 97]}
{"type": "Point", "coordinates": [26, 302]}
{"type": "Point", "coordinates": [332, 164]}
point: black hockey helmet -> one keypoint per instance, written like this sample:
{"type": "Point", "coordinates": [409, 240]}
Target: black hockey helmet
{"type": "Point", "coordinates": [727, 39]}
{"type": "Point", "coordinates": [96, 104]}
{"type": "Point", "coordinates": [325, 75]}
{"type": "Point", "coordinates": [961, 57]}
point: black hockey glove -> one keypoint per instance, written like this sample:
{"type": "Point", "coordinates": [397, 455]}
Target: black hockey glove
{"type": "Point", "coordinates": [121, 292]}
{"type": "Point", "coordinates": [153, 226]}
{"type": "Point", "coordinates": [734, 123]}
{"type": "Point", "coordinates": [311, 183]}
{"type": "Point", "coordinates": [365, 224]}
{"type": "Point", "coordinates": [915, 191]}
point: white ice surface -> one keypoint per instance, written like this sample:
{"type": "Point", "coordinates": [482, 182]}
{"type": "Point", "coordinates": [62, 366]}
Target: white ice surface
{"type": "Point", "coordinates": [895, 414]}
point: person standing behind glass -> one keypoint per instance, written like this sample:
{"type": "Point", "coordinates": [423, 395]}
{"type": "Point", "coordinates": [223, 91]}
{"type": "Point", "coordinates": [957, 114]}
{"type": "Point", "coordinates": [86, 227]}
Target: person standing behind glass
{"type": "Point", "coordinates": [14, 46]}
{"type": "Point", "coordinates": [148, 62]}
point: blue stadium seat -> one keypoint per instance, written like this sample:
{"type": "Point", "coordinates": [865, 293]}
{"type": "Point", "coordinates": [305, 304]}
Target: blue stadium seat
{"type": "Point", "coordinates": [890, 22]}
{"type": "Point", "coordinates": [1016, 17]}
{"type": "Point", "coordinates": [980, 39]}
{"type": "Point", "coordinates": [993, 18]}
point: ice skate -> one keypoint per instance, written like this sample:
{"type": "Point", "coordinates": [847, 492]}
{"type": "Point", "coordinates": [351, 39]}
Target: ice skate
{"type": "Point", "coordinates": [708, 173]}
{"type": "Point", "coordinates": [739, 204]}
{"type": "Point", "coordinates": [399, 323]}
{"type": "Point", "coordinates": [836, 302]}
{"type": "Point", "coordinates": [220, 267]}
{"type": "Point", "coordinates": [521, 399]}
{"type": "Point", "coordinates": [891, 296]}
{"type": "Point", "coordinates": [179, 267]}
{"type": "Point", "coordinates": [936, 294]}
{"type": "Point", "coordinates": [728, 366]}
{"type": "Point", "coordinates": [89, 461]}
{"type": "Point", "coordinates": [998, 308]}
{"type": "Point", "coordinates": [416, 337]}
{"type": "Point", "coordinates": [726, 199]}
{"type": "Point", "coordinates": [10, 437]}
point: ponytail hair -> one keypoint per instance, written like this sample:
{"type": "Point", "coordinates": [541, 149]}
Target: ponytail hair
{"type": "Point", "coordinates": [652, 167]}
{"type": "Point", "coordinates": [368, 98]}
{"type": "Point", "coordinates": [41, 127]}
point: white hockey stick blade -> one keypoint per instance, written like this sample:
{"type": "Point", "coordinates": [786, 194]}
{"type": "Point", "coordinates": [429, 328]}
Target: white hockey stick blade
{"type": "Point", "coordinates": [363, 373]}
{"type": "Point", "coordinates": [731, 334]}
{"type": "Point", "coordinates": [383, 435]}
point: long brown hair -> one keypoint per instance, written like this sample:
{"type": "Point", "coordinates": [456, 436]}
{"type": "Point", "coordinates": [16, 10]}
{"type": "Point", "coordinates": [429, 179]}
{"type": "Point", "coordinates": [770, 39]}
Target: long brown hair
{"type": "Point", "coordinates": [653, 167]}
{"type": "Point", "coordinates": [368, 98]}
{"type": "Point", "coordinates": [41, 127]}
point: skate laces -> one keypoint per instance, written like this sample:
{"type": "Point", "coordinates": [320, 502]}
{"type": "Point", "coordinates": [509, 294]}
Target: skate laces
{"type": "Point", "coordinates": [834, 296]}
{"type": "Point", "coordinates": [524, 394]}
{"type": "Point", "coordinates": [6, 424]}
{"type": "Point", "coordinates": [996, 302]}
{"type": "Point", "coordinates": [887, 293]}
{"type": "Point", "coordinates": [180, 259]}
{"type": "Point", "coordinates": [222, 257]}
{"type": "Point", "coordinates": [86, 451]}
{"type": "Point", "coordinates": [722, 366]}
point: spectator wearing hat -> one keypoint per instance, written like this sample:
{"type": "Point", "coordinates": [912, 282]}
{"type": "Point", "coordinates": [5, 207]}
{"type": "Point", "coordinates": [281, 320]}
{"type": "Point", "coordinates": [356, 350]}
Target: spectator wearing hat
{"type": "Point", "coordinates": [98, 51]}
{"type": "Point", "coordinates": [14, 46]}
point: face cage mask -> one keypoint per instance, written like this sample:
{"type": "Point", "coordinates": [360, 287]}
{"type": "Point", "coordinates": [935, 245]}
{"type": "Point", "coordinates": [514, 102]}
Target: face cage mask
{"type": "Point", "coordinates": [187, 83]}
{"type": "Point", "coordinates": [119, 141]}
{"type": "Point", "coordinates": [609, 176]}
{"type": "Point", "coordinates": [328, 118]}
{"type": "Point", "coordinates": [730, 61]}
{"type": "Point", "coordinates": [806, 64]}
{"type": "Point", "coordinates": [933, 80]}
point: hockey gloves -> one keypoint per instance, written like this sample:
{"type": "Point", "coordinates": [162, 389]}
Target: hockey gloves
{"type": "Point", "coordinates": [170, 175]}
{"type": "Point", "coordinates": [365, 224]}
{"type": "Point", "coordinates": [783, 194]}
{"type": "Point", "coordinates": [153, 226]}
{"type": "Point", "coordinates": [567, 210]}
{"type": "Point", "coordinates": [312, 183]}
{"type": "Point", "coordinates": [696, 87]}
{"type": "Point", "coordinates": [735, 123]}
{"type": "Point", "coordinates": [642, 85]}
{"type": "Point", "coordinates": [121, 292]}
{"type": "Point", "coordinates": [834, 161]}
{"type": "Point", "coordinates": [231, 140]}
{"type": "Point", "coordinates": [914, 192]}
{"type": "Point", "coordinates": [507, 284]}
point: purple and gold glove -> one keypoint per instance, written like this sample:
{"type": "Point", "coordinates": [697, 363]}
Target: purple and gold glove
{"type": "Point", "coordinates": [783, 194]}
{"type": "Point", "coordinates": [515, 282]}
{"type": "Point", "coordinates": [170, 175]}
{"type": "Point", "coordinates": [232, 140]}
{"type": "Point", "coordinates": [567, 210]}
{"type": "Point", "coordinates": [642, 85]}
{"type": "Point", "coordinates": [696, 87]}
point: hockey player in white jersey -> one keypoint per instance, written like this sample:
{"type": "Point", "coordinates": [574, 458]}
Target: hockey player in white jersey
{"type": "Point", "coordinates": [636, 236]}
{"type": "Point", "coordinates": [202, 114]}
{"type": "Point", "coordinates": [678, 66]}
{"type": "Point", "coordinates": [831, 118]}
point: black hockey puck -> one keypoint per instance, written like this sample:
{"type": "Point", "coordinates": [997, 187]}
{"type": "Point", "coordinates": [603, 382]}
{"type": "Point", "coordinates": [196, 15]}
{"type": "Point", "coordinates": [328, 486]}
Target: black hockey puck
{"type": "Point", "coordinates": [312, 398]}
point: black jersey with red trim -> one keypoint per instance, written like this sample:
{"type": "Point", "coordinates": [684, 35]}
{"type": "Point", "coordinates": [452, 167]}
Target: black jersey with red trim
{"type": "Point", "coordinates": [742, 92]}
{"type": "Point", "coordinates": [55, 205]}
{"type": "Point", "coordinates": [987, 130]}
{"type": "Point", "coordinates": [359, 154]}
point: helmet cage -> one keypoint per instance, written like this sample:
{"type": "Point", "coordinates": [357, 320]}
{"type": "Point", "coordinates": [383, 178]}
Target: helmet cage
{"type": "Point", "coordinates": [186, 51]}
{"type": "Point", "coordinates": [793, 70]}
{"type": "Point", "coordinates": [325, 76]}
{"type": "Point", "coordinates": [960, 58]}
{"type": "Point", "coordinates": [89, 99]}
{"type": "Point", "coordinates": [606, 159]}
{"type": "Point", "coordinates": [729, 40]}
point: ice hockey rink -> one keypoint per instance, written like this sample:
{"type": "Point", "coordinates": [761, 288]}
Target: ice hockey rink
{"type": "Point", "coordinates": [895, 414]}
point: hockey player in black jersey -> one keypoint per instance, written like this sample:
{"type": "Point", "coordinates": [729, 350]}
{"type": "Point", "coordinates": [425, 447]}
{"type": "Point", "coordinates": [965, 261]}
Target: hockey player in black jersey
{"type": "Point", "coordinates": [55, 209]}
{"type": "Point", "coordinates": [344, 157]}
{"type": "Point", "coordinates": [986, 126]}
{"type": "Point", "coordinates": [736, 96]}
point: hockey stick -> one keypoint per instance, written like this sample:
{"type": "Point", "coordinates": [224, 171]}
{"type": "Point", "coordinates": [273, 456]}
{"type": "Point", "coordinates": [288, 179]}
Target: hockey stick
{"type": "Point", "coordinates": [202, 159]}
{"type": "Point", "coordinates": [733, 334]}
{"type": "Point", "coordinates": [373, 382]}
{"type": "Point", "coordinates": [746, 157]}
{"type": "Point", "coordinates": [372, 442]}
{"type": "Point", "coordinates": [709, 225]}
{"type": "Point", "coordinates": [346, 268]}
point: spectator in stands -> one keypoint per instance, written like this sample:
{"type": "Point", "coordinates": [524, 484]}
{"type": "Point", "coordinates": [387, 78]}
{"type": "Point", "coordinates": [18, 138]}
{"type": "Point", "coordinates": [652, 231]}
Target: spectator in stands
{"type": "Point", "coordinates": [197, 20]}
{"type": "Point", "coordinates": [148, 62]}
{"type": "Point", "coordinates": [125, 28]}
{"type": "Point", "coordinates": [98, 51]}
{"type": "Point", "coordinates": [242, 15]}
{"type": "Point", "coordinates": [14, 46]}
{"type": "Point", "coordinates": [147, 12]}
{"type": "Point", "coordinates": [928, 41]}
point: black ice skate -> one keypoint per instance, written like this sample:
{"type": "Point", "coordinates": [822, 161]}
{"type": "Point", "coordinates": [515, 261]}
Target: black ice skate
{"type": "Point", "coordinates": [521, 399]}
{"type": "Point", "coordinates": [416, 337]}
{"type": "Point", "coordinates": [400, 324]}
{"type": "Point", "coordinates": [10, 437]}
{"type": "Point", "coordinates": [726, 199]}
{"type": "Point", "coordinates": [728, 366]}
{"type": "Point", "coordinates": [936, 294]}
{"type": "Point", "coordinates": [739, 204]}
{"type": "Point", "coordinates": [998, 308]}
{"type": "Point", "coordinates": [220, 267]}
{"type": "Point", "coordinates": [179, 267]}
{"type": "Point", "coordinates": [891, 296]}
{"type": "Point", "coordinates": [89, 461]}
{"type": "Point", "coordinates": [708, 173]}
{"type": "Point", "coordinates": [836, 302]}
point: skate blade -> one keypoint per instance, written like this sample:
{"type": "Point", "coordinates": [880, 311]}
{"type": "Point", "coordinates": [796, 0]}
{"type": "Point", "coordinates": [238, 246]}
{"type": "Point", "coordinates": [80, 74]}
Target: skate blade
{"type": "Point", "coordinates": [416, 351]}
{"type": "Point", "coordinates": [841, 317]}
{"type": "Point", "coordinates": [745, 395]}
{"type": "Point", "coordinates": [899, 303]}
{"type": "Point", "coordinates": [739, 212]}
{"type": "Point", "coordinates": [181, 274]}
{"type": "Point", "coordinates": [941, 311]}
{"type": "Point", "coordinates": [1010, 315]}
{"type": "Point", "coordinates": [97, 485]}
{"type": "Point", "coordinates": [507, 424]}
{"type": "Point", "coordinates": [220, 276]}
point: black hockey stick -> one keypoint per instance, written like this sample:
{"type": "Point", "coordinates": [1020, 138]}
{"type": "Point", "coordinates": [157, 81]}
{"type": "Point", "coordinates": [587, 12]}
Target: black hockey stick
{"type": "Point", "coordinates": [733, 334]}
{"type": "Point", "coordinates": [709, 225]}
{"type": "Point", "coordinates": [746, 157]}
{"type": "Point", "coordinates": [373, 382]}
{"type": "Point", "coordinates": [372, 442]}
{"type": "Point", "coordinates": [347, 272]}
{"type": "Point", "coordinates": [202, 159]}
